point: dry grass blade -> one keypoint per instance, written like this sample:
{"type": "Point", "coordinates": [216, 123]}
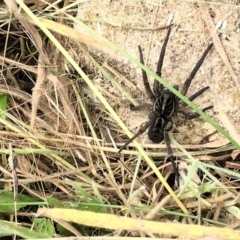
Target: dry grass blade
{"type": "Point", "coordinates": [118, 223]}
{"type": "Point", "coordinates": [207, 18]}
{"type": "Point", "coordinates": [228, 125]}
{"type": "Point", "coordinates": [43, 59]}
{"type": "Point", "coordinates": [81, 37]}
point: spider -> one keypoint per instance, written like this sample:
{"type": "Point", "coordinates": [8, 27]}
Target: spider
{"type": "Point", "coordinates": [165, 104]}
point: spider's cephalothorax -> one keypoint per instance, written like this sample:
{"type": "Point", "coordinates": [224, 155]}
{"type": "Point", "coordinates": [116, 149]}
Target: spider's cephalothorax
{"type": "Point", "coordinates": [165, 103]}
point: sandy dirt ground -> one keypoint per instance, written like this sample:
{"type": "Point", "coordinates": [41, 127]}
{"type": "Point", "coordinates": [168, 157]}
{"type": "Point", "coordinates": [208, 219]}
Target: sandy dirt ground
{"type": "Point", "coordinates": [133, 23]}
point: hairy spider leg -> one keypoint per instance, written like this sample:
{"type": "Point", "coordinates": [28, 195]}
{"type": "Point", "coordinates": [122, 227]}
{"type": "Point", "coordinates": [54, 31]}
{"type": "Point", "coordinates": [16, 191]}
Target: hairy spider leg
{"type": "Point", "coordinates": [194, 71]}
{"type": "Point", "coordinates": [145, 78]}
{"type": "Point", "coordinates": [163, 135]}
{"type": "Point", "coordinates": [191, 98]}
{"type": "Point", "coordinates": [143, 107]}
{"type": "Point", "coordinates": [198, 93]}
{"type": "Point", "coordinates": [196, 115]}
{"type": "Point", "coordinates": [157, 87]}
{"type": "Point", "coordinates": [191, 116]}
{"type": "Point", "coordinates": [140, 131]}
{"type": "Point", "coordinates": [171, 157]}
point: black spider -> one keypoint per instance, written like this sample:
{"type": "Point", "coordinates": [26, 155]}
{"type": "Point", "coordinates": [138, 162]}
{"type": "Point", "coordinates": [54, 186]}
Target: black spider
{"type": "Point", "coordinates": [165, 104]}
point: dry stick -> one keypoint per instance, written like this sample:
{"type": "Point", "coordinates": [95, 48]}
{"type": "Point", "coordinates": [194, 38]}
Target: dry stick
{"type": "Point", "coordinates": [217, 43]}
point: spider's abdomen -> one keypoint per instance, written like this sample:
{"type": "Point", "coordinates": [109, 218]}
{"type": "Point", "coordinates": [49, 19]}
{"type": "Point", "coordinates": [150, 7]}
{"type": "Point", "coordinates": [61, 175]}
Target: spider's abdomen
{"type": "Point", "coordinates": [160, 124]}
{"type": "Point", "coordinates": [155, 132]}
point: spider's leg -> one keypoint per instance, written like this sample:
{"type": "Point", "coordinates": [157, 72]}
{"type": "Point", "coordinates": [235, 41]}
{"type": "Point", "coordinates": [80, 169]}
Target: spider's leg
{"type": "Point", "coordinates": [194, 71]}
{"type": "Point", "coordinates": [145, 79]}
{"type": "Point", "coordinates": [171, 157]}
{"type": "Point", "coordinates": [140, 131]}
{"type": "Point", "coordinates": [198, 93]}
{"type": "Point", "coordinates": [196, 115]}
{"type": "Point", "coordinates": [195, 95]}
{"type": "Point", "coordinates": [143, 107]}
{"type": "Point", "coordinates": [157, 87]}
